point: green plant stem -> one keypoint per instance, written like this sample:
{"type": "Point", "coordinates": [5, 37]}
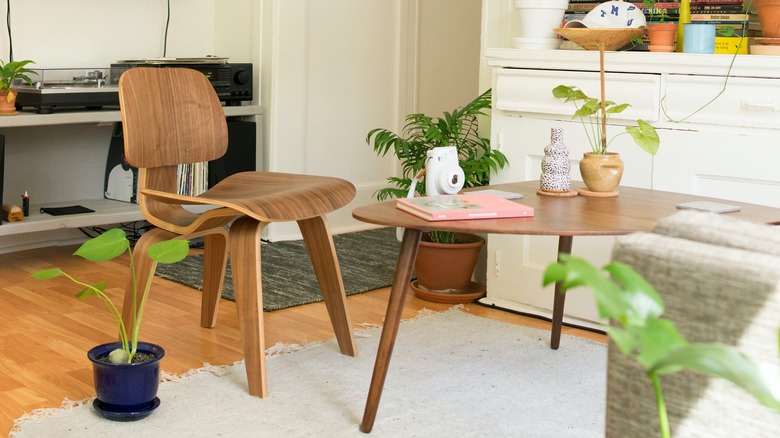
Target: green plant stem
{"type": "Point", "coordinates": [663, 417]}
{"type": "Point", "coordinates": [111, 308]}
{"type": "Point", "coordinates": [137, 325]}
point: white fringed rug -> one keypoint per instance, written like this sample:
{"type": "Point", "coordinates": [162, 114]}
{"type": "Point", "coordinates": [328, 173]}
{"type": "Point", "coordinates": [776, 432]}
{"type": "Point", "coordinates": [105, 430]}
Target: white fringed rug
{"type": "Point", "coordinates": [451, 374]}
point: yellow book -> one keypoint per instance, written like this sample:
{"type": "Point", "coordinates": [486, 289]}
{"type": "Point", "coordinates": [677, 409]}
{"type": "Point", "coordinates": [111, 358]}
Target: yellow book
{"type": "Point", "coordinates": [731, 45]}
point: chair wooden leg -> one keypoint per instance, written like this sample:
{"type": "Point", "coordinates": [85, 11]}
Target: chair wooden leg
{"type": "Point", "coordinates": [143, 268]}
{"type": "Point", "coordinates": [245, 264]}
{"type": "Point", "coordinates": [214, 265]}
{"type": "Point", "coordinates": [322, 252]}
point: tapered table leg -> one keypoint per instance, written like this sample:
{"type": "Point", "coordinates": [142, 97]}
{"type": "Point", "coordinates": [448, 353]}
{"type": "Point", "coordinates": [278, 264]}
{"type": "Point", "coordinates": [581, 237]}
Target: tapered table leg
{"type": "Point", "coordinates": [395, 307]}
{"type": "Point", "coordinates": [564, 247]}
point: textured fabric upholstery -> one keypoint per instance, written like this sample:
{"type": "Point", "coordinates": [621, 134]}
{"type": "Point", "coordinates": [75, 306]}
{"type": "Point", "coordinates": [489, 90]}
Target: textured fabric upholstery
{"type": "Point", "coordinates": [715, 290]}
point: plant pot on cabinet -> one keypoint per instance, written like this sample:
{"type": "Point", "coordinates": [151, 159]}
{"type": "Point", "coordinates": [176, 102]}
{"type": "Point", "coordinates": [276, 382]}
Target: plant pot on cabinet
{"type": "Point", "coordinates": [601, 173]}
{"type": "Point", "coordinates": [769, 16]}
{"type": "Point", "coordinates": [662, 36]}
{"type": "Point", "coordinates": [8, 102]}
{"type": "Point", "coordinates": [535, 20]}
{"type": "Point", "coordinates": [126, 392]}
{"type": "Point", "coordinates": [444, 270]}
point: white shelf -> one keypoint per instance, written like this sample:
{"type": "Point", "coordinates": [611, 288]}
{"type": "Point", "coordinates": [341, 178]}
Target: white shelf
{"type": "Point", "coordinates": [106, 212]}
{"type": "Point", "coordinates": [80, 116]}
{"type": "Point", "coordinates": [753, 66]}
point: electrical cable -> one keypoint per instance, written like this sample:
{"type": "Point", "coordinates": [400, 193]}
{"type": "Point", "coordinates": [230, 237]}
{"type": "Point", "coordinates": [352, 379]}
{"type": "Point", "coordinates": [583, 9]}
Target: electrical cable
{"type": "Point", "coordinates": [167, 23]}
{"type": "Point", "coordinates": [8, 26]}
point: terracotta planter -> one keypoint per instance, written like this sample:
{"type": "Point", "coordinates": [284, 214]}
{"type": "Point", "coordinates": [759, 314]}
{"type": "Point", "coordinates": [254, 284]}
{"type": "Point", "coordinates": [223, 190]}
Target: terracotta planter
{"type": "Point", "coordinates": [601, 173]}
{"type": "Point", "coordinates": [7, 106]}
{"type": "Point", "coordinates": [448, 267]}
{"type": "Point", "coordinates": [769, 16]}
{"type": "Point", "coordinates": [662, 36]}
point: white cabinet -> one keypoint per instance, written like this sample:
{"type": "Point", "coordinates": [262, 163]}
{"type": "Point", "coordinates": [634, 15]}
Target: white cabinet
{"type": "Point", "coordinates": [60, 159]}
{"type": "Point", "coordinates": [727, 149]}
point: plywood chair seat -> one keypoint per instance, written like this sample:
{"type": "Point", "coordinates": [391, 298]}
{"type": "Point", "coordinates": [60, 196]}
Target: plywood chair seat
{"type": "Point", "coordinates": [268, 196]}
{"type": "Point", "coordinates": [172, 116]}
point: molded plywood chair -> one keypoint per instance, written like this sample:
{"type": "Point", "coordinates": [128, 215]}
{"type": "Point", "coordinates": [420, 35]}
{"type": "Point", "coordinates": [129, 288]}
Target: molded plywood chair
{"type": "Point", "coordinates": [172, 116]}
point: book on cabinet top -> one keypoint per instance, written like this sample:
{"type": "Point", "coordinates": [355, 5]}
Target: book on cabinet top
{"type": "Point", "coordinates": [720, 17]}
{"type": "Point", "coordinates": [463, 206]}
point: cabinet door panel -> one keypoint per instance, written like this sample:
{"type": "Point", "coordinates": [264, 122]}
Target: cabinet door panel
{"type": "Point", "coordinates": [728, 166]}
{"type": "Point", "coordinates": [530, 91]}
{"type": "Point", "coordinates": [745, 102]}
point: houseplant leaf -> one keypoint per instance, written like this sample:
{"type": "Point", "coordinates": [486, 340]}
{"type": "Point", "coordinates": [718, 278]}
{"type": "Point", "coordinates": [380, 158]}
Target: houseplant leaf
{"type": "Point", "coordinates": [104, 247]}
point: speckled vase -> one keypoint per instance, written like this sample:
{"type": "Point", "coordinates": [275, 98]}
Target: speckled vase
{"type": "Point", "coordinates": [555, 164]}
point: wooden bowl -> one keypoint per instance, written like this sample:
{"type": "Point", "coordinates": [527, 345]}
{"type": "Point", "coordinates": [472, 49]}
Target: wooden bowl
{"type": "Point", "coordinates": [590, 39]}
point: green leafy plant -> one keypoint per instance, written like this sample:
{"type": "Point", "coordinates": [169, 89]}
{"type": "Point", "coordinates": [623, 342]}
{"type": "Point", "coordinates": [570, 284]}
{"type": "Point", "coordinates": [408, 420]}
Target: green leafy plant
{"type": "Point", "coordinates": [11, 71]}
{"type": "Point", "coordinates": [459, 128]}
{"type": "Point", "coordinates": [108, 246]}
{"type": "Point", "coordinates": [594, 114]}
{"type": "Point", "coordinates": [640, 333]}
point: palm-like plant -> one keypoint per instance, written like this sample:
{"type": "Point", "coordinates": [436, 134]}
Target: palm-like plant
{"type": "Point", "coordinates": [458, 128]}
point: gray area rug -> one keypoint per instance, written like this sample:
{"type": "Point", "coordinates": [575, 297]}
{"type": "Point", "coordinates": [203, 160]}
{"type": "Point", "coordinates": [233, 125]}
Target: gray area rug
{"type": "Point", "coordinates": [367, 260]}
{"type": "Point", "coordinates": [451, 375]}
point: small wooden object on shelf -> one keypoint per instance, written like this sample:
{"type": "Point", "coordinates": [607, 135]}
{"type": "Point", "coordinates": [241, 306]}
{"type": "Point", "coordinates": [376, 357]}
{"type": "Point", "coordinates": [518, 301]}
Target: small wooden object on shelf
{"type": "Point", "coordinates": [12, 213]}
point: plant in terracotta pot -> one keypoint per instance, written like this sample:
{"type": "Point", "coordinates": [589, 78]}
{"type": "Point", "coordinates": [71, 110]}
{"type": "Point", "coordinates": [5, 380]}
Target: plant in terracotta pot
{"type": "Point", "coordinates": [422, 133]}
{"type": "Point", "coordinates": [637, 329]}
{"type": "Point", "coordinates": [126, 373]}
{"type": "Point", "coordinates": [602, 170]}
{"type": "Point", "coordinates": [768, 16]}
{"type": "Point", "coordinates": [10, 72]}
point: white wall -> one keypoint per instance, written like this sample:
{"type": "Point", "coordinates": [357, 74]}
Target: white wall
{"type": "Point", "coordinates": [94, 33]}
{"type": "Point", "coordinates": [326, 71]}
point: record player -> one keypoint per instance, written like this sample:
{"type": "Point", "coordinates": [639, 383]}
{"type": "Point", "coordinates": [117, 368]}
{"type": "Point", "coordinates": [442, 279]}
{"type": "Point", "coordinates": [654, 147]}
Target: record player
{"type": "Point", "coordinates": [95, 88]}
{"type": "Point", "coordinates": [68, 87]}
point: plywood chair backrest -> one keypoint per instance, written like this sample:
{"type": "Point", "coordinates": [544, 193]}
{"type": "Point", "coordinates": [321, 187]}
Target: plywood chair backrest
{"type": "Point", "coordinates": [170, 116]}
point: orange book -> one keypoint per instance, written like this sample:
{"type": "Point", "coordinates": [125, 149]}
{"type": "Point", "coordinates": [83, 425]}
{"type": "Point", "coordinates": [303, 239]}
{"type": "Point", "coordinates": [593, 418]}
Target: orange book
{"type": "Point", "coordinates": [466, 206]}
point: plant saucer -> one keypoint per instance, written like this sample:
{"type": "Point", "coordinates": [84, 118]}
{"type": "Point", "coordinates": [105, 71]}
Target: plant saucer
{"type": "Point", "coordinates": [132, 415]}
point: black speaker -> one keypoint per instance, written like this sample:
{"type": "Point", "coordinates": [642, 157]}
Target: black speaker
{"type": "Point", "coordinates": [2, 167]}
{"type": "Point", "coordinates": [241, 152]}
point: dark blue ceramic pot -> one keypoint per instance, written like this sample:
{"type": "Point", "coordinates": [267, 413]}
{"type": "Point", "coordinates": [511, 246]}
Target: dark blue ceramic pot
{"type": "Point", "coordinates": [126, 387]}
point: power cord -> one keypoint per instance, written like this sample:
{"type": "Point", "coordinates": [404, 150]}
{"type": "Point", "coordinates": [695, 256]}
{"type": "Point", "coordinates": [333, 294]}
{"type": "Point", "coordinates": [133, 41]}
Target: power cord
{"type": "Point", "coordinates": [8, 26]}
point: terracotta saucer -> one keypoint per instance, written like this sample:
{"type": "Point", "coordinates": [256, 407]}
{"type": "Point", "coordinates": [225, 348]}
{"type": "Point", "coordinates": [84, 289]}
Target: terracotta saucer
{"type": "Point", "coordinates": [475, 292]}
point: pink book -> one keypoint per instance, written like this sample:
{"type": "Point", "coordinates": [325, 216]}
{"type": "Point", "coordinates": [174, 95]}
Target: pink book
{"type": "Point", "coordinates": [466, 206]}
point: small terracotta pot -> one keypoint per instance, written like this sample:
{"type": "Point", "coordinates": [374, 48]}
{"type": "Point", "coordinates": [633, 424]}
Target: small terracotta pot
{"type": "Point", "coordinates": [662, 36]}
{"type": "Point", "coordinates": [6, 106]}
{"type": "Point", "coordinates": [769, 16]}
{"type": "Point", "coordinates": [601, 172]}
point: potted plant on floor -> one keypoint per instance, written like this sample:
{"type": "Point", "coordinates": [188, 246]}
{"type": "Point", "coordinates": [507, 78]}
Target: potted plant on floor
{"type": "Point", "coordinates": [634, 307]}
{"type": "Point", "coordinates": [602, 170]}
{"type": "Point", "coordinates": [10, 72]}
{"type": "Point", "coordinates": [126, 373]}
{"type": "Point", "coordinates": [422, 133]}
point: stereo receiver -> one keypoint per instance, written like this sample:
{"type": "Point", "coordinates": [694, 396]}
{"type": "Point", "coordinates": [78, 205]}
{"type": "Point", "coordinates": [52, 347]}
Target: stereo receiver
{"type": "Point", "coordinates": [231, 81]}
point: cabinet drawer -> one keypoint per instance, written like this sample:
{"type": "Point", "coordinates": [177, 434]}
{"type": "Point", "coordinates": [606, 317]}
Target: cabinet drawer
{"type": "Point", "coordinates": [748, 102]}
{"type": "Point", "coordinates": [530, 91]}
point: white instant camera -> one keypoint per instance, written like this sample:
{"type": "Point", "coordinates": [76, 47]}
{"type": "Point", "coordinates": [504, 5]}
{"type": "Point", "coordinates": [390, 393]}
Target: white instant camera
{"type": "Point", "coordinates": [443, 175]}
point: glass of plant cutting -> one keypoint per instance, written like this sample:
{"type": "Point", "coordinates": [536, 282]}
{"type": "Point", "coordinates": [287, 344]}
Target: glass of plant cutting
{"type": "Point", "coordinates": [108, 246]}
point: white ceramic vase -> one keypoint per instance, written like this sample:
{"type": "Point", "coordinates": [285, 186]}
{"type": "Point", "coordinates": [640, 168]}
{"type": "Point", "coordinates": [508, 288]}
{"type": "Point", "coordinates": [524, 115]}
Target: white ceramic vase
{"type": "Point", "coordinates": [535, 21]}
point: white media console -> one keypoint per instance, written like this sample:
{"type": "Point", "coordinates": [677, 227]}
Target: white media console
{"type": "Point", "coordinates": [60, 160]}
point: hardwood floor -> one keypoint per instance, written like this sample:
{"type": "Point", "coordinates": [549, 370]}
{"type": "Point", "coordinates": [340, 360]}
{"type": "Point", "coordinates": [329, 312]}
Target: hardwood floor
{"type": "Point", "coordinates": [45, 332]}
